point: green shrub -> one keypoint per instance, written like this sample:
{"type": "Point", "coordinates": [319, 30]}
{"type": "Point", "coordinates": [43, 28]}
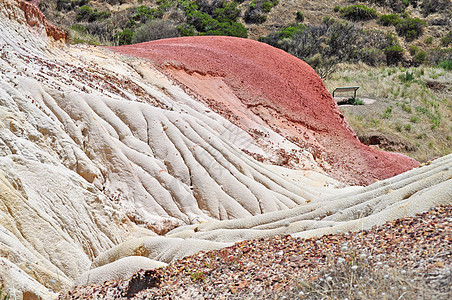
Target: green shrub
{"type": "Point", "coordinates": [79, 28]}
{"type": "Point", "coordinates": [410, 28]}
{"type": "Point", "coordinates": [299, 16]}
{"type": "Point", "coordinates": [86, 13]}
{"type": "Point", "coordinates": [337, 8]}
{"type": "Point", "coordinates": [394, 54]}
{"type": "Point", "coordinates": [407, 77]}
{"type": "Point", "coordinates": [446, 64]}
{"type": "Point", "coordinates": [389, 20]}
{"type": "Point", "coordinates": [351, 101]}
{"type": "Point", "coordinates": [202, 23]}
{"type": "Point", "coordinates": [123, 37]}
{"type": "Point", "coordinates": [414, 119]}
{"type": "Point", "coordinates": [413, 50]}
{"type": "Point", "coordinates": [358, 13]}
{"type": "Point", "coordinates": [419, 57]}
{"type": "Point", "coordinates": [447, 39]}
{"type": "Point", "coordinates": [227, 13]}
{"type": "Point", "coordinates": [256, 12]}
{"type": "Point", "coordinates": [429, 40]}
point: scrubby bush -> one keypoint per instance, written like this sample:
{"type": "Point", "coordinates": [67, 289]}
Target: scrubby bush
{"type": "Point", "coordinates": [299, 16]}
{"type": "Point", "coordinates": [433, 6]}
{"type": "Point", "coordinates": [79, 28]}
{"type": "Point", "coordinates": [447, 39]}
{"type": "Point", "coordinates": [446, 64]}
{"type": "Point", "coordinates": [256, 12]}
{"type": "Point", "coordinates": [410, 28]}
{"type": "Point", "coordinates": [227, 12]}
{"type": "Point", "coordinates": [388, 20]}
{"type": "Point", "coordinates": [397, 6]}
{"type": "Point", "coordinates": [323, 46]}
{"type": "Point", "coordinates": [123, 37]}
{"type": "Point", "coordinates": [419, 57]}
{"type": "Point", "coordinates": [437, 55]}
{"type": "Point", "coordinates": [155, 30]}
{"type": "Point", "coordinates": [68, 5]}
{"type": "Point", "coordinates": [86, 13]}
{"type": "Point", "coordinates": [413, 50]}
{"type": "Point", "coordinates": [101, 29]}
{"type": "Point", "coordinates": [358, 13]}
{"type": "Point", "coordinates": [204, 24]}
{"type": "Point", "coordinates": [394, 54]}
{"type": "Point", "coordinates": [144, 13]}
{"type": "Point", "coordinates": [275, 39]}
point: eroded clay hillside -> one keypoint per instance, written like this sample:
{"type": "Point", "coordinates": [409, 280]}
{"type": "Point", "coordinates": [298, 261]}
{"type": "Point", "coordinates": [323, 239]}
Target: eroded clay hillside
{"type": "Point", "coordinates": [112, 163]}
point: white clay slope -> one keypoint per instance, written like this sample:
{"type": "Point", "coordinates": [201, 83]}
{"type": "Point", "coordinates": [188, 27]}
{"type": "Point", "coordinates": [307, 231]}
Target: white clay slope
{"type": "Point", "coordinates": [98, 152]}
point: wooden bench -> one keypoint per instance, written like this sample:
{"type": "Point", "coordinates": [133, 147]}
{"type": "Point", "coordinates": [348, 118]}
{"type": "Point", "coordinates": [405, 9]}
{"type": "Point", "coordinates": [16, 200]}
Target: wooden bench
{"type": "Point", "coordinates": [347, 89]}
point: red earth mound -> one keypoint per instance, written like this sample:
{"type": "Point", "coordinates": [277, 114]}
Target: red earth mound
{"type": "Point", "coordinates": [281, 90]}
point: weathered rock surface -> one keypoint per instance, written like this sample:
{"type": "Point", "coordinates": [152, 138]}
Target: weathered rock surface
{"type": "Point", "coordinates": [99, 152]}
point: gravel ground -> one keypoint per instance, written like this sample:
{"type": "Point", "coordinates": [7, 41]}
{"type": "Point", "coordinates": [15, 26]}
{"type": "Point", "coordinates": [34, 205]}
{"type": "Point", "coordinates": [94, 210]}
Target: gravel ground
{"type": "Point", "coordinates": [412, 255]}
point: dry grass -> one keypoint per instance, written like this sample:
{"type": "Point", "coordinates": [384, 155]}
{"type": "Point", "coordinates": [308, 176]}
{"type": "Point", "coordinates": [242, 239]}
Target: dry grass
{"type": "Point", "coordinates": [413, 107]}
{"type": "Point", "coordinates": [361, 281]}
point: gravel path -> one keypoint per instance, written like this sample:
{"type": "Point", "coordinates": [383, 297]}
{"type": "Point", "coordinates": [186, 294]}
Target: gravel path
{"type": "Point", "coordinates": [407, 258]}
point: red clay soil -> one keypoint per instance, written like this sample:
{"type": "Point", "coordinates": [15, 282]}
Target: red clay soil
{"type": "Point", "coordinates": [283, 91]}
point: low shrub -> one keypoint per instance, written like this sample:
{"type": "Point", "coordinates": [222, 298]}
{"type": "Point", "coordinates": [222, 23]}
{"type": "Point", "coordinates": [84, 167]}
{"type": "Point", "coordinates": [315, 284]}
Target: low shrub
{"type": "Point", "coordinates": [394, 54]}
{"type": "Point", "coordinates": [123, 37]}
{"type": "Point", "coordinates": [257, 11]}
{"type": "Point", "coordinates": [86, 13]}
{"type": "Point", "coordinates": [351, 101]}
{"type": "Point", "coordinates": [358, 13]}
{"type": "Point", "coordinates": [410, 28]}
{"type": "Point", "coordinates": [419, 57]}
{"type": "Point", "coordinates": [432, 6]}
{"type": "Point", "coordinates": [144, 14]}
{"type": "Point", "coordinates": [429, 40]}
{"type": "Point", "coordinates": [407, 77]}
{"type": "Point", "coordinates": [397, 6]}
{"type": "Point", "coordinates": [299, 16]}
{"type": "Point", "coordinates": [201, 23]}
{"type": "Point", "coordinates": [79, 28]}
{"type": "Point", "coordinates": [155, 30]}
{"type": "Point", "coordinates": [323, 46]}
{"type": "Point", "coordinates": [438, 54]}
{"type": "Point", "coordinates": [413, 50]}
{"type": "Point", "coordinates": [446, 64]}
{"type": "Point", "coordinates": [447, 39]}
{"type": "Point", "coordinates": [389, 20]}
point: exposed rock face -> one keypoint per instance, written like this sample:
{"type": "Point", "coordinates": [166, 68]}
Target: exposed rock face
{"type": "Point", "coordinates": [255, 85]}
{"type": "Point", "coordinates": [35, 17]}
{"type": "Point", "coordinates": [98, 152]}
